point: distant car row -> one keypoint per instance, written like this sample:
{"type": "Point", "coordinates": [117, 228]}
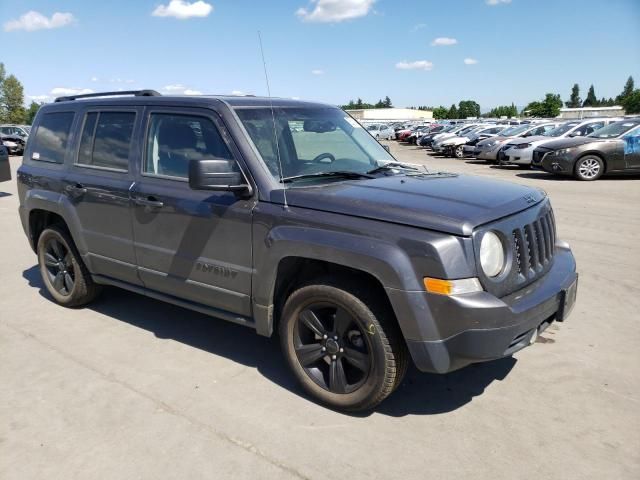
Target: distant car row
{"type": "Point", "coordinates": [585, 149]}
{"type": "Point", "coordinates": [14, 138]}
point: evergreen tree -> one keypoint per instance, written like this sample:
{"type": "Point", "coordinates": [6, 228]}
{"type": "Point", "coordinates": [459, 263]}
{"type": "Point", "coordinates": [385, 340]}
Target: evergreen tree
{"type": "Point", "coordinates": [591, 100]}
{"type": "Point", "coordinates": [387, 102]}
{"type": "Point", "coordinates": [574, 100]}
{"type": "Point", "coordinates": [453, 112]}
{"type": "Point", "coordinates": [626, 91]}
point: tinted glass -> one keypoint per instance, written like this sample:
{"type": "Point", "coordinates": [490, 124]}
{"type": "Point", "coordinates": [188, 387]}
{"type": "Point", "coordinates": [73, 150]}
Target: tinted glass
{"type": "Point", "coordinates": [329, 141]}
{"type": "Point", "coordinates": [615, 129]}
{"type": "Point", "coordinates": [175, 140]}
{"type": "Point", "coordinates": [106, 140]}
{"type": "Point", "coordinates": [50, 142]}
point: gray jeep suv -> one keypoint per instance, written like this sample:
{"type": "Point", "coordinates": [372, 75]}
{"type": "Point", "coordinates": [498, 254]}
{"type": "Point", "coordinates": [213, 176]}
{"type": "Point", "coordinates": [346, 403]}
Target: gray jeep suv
{"type": "Point", "coordinates": [288, 216]}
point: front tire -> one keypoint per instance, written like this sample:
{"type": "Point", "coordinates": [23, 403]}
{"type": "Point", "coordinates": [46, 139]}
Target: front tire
{"type": "Point", "coordinates": [589, 168]}
{"type": "Point", "coordinates": [459, 151]}
{"type": "Point", "coordinates": [64, 274]}
{"type": "Point", "coordinates": [342, 344]}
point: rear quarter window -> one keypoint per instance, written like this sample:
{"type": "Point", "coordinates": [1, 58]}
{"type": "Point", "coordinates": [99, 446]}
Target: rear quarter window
{"type": "Point", "coordinates": [52, 137]}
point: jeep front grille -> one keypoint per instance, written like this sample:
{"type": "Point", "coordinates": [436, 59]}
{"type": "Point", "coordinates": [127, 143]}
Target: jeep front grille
{"type": "Point", "coordinates": [534, 245]}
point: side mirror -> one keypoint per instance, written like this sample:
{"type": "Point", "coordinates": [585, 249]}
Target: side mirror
{"type": "Point", "coordinates": [216, 174]}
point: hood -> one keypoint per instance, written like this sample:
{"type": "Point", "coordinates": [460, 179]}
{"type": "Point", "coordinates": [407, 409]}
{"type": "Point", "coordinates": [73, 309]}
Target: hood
{"type": "Point", "coordinates": [454, 204]}
{"type": "Point", "coordinates": [571, 142]}
{"type": "Point", "coordinates": [534, 138]}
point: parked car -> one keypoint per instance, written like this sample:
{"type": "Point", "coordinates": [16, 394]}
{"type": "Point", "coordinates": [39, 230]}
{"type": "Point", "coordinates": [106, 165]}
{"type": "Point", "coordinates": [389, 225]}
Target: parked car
{"type": "Point", "coordinates": [381, 131]}
{"type": "Point", "coordinates": [439, 140]}
{"type": "Point", "coordinates": [413, 137]}
{"type": "Point", "coordinates": [19, 130]}
{"type": "Point", "coordinates": [373, 269]}
{"type": "Point", "coordinates": [14, 143]}
{"type": "Point", "coordinates": [427, 139]}
{"type": "Point", "coordinates": [519, 151]}
{"type": "Point", "coordinates": [488, 149]}
{"type": "Point", "coordinates": [454, 146]}
{"type": "Point", "coordinates": [611, 149]}
{"type": "Point", "coordinates": [5, 167]}
{"type": "Point", "coordinates": [493, 131]}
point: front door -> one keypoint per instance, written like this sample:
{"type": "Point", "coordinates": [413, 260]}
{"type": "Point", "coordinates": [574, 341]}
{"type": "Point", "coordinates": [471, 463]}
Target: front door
{"type": "Point", "coordinates": [194, 245]}
{"type": "Point", "coordinates": [98, 185]}
{"type": "Point", "coordinates": [632, 149]}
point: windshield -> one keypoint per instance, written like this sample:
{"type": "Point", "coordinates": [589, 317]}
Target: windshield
{"type": "Point", "coordinates": [513, 131]}
{"type": "Point", "coordinates": [614, 130]}
{"type": "Point", "coordinates": [561, 130]}
{"type": "Point", "coordinates": [312, 141]}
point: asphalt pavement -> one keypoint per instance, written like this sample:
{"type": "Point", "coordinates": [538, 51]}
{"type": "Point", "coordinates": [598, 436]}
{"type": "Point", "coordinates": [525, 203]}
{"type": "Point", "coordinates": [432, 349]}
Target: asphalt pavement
{"type": "Point", "coordinates": [130, 387]}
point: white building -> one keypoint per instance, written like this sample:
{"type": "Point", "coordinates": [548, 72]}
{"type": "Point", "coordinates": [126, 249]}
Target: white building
{"type": "Point", "coordinates": [390, 114]}
{"type": "Point", "coordinates": [586, 112]}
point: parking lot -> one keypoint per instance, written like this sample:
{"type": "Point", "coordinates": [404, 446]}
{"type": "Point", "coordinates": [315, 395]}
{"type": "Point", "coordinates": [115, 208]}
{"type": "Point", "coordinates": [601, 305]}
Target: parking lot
{"type": "Point", "coordinates": [134, 388]}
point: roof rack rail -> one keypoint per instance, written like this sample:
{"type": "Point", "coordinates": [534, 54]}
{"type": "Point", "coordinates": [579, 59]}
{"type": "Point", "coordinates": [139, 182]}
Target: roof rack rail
{"type": "Point", "coordinates": [137, 93]}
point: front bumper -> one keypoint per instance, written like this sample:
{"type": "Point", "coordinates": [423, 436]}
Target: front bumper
{"type": "Point", "coordinates": [556, 164]}
{"type": "Point", "coordinates": [518, 156]}
{"type": "Point", "coordinates": [487, 153]}
{"type": "Point", "coordinates": [479, 327]}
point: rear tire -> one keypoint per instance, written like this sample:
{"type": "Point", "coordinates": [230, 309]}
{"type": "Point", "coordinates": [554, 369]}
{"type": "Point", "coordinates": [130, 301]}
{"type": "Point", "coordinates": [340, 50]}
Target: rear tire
{"type": "Point", "coordinates": [63, 272]}
{"type": "Point", "coordinates": [589, 168]}
{"type": "Point", "coordinates": [458, 152]}
{"type": "Point", "coordinates": [364, 357]}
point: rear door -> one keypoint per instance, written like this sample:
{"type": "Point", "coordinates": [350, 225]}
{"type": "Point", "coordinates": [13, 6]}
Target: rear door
{"type": "Point", "coordinates": [98, 185]}
{"type": "Point", "coordinates": [194, 245]}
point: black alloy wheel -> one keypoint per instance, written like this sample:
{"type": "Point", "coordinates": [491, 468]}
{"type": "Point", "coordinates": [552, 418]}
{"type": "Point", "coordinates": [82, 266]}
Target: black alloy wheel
{"type": "Point", "coordinates": [332, 349]}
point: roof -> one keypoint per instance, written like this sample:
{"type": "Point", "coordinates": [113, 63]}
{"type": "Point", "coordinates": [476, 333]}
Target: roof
{"type": "Point", "coordinates": [582, 109]}
{"type": "Point", "coordinates": [143, 97]}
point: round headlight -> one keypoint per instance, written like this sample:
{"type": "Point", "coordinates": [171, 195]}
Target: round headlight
{"type": "Point", "coordinates": [491, 254]}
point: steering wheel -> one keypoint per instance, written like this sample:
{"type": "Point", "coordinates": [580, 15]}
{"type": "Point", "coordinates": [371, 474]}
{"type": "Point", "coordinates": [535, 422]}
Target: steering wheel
{"type": "Point", "coordinates": [322, 156]}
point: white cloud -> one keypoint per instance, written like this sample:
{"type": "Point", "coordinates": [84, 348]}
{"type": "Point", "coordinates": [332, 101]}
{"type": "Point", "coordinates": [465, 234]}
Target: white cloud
{"type": "Point", "coordinates": [94, 79]}
{"type": "Point", "coordinates": [39, 98]}
{"type": "Point", "coordinates": [317, 71]}
{"type": "Point", "coordinates": [179, 89]}
{"type": "Point", "coordinates": [416, 65]}
{"type": "Point", "coordinates": [33, 20]}
{"type": "Point", "coordinates": [182, 10]}
{"type": "Point", "coordinates": [332, 11]}
{"type": "Point", "coordinates": [470, 61]}
{"type": "Point", "coordinates": [443, 42]}
{"type": "Point", "coordinates": [417, 27]}
{"type": "Point", "coordinates": [237, 92]}
{"type": "Point", "coordinates": [493, 3]}
{"type": "Point", "coordinates": [70, 91]}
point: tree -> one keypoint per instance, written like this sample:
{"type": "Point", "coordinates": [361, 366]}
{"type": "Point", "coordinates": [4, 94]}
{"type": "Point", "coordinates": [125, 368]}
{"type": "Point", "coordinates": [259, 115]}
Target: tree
{"type": "Point", "coordinates": [31, 112]}
{"type": "Point", "coordinates": [631, 102]}
{"type": "Point", "coordinates": [12, 100]}
{"type": "Point", "coordinates": [574, 100]}
{"type": "Point", "coordinates": [549, 107]}
{"type": "Point", "coordinates": [626, 91]}
{"type": "Point", "coordinates": [440, 113]}
{"type": "Point", "coordinates": [591, 100]}
{"type": "Point", "coordinates": [503, 111]}
{"type": "Point", "coordinates": [387, 102]}
{"type": "Point", "coordinates": [379, 104]}
{"type": "Point", "coordinates": [468, 108]}
{"type": "Point", "coordinates": [453, 112]}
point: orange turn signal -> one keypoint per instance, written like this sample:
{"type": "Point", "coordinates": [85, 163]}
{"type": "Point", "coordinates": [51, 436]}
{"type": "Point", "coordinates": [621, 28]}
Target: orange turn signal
{"type": "Point", "coordinates": [452, 287]}
{"type": "Point", "coordinates": [435, 285]}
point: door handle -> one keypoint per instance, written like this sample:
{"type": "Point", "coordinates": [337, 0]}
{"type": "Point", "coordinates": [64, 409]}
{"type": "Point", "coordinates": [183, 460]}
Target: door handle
{"type": "Point", "coordinates": [149, 201]}
{"type": "Point", "coordinates": [76, 189]}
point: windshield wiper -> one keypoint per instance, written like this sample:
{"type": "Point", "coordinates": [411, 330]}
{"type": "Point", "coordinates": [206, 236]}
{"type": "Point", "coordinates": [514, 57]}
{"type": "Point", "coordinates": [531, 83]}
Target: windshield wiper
{"type": "Point", "coordinates": [392, 166]}
{"type": "Point", "coordinates": [336, 173]}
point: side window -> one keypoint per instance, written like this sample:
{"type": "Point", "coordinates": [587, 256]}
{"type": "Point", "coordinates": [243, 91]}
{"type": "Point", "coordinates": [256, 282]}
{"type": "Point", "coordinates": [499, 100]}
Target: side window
{"type": "Point", "coordinates": [52, 135]}
{"type": "Point", "coordinates": [106, 140]}
{"type": "Point", "coordinates": [548, 128]}
{"type": "Point", "coordinates": [174, 140]}
{"type": "Point", "coordinates": [592, 127]}
{"type": "Point", "coordinates": [539, 131]}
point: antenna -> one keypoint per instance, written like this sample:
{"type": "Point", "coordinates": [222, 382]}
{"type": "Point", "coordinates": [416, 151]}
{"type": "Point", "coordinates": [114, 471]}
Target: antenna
{"type": "Point", "coordinates": [273, 118]}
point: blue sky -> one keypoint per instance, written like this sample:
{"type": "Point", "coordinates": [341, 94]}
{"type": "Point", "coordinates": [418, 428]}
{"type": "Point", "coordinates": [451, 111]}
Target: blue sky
{"type": "Point", "coordinates": [326, 50]}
